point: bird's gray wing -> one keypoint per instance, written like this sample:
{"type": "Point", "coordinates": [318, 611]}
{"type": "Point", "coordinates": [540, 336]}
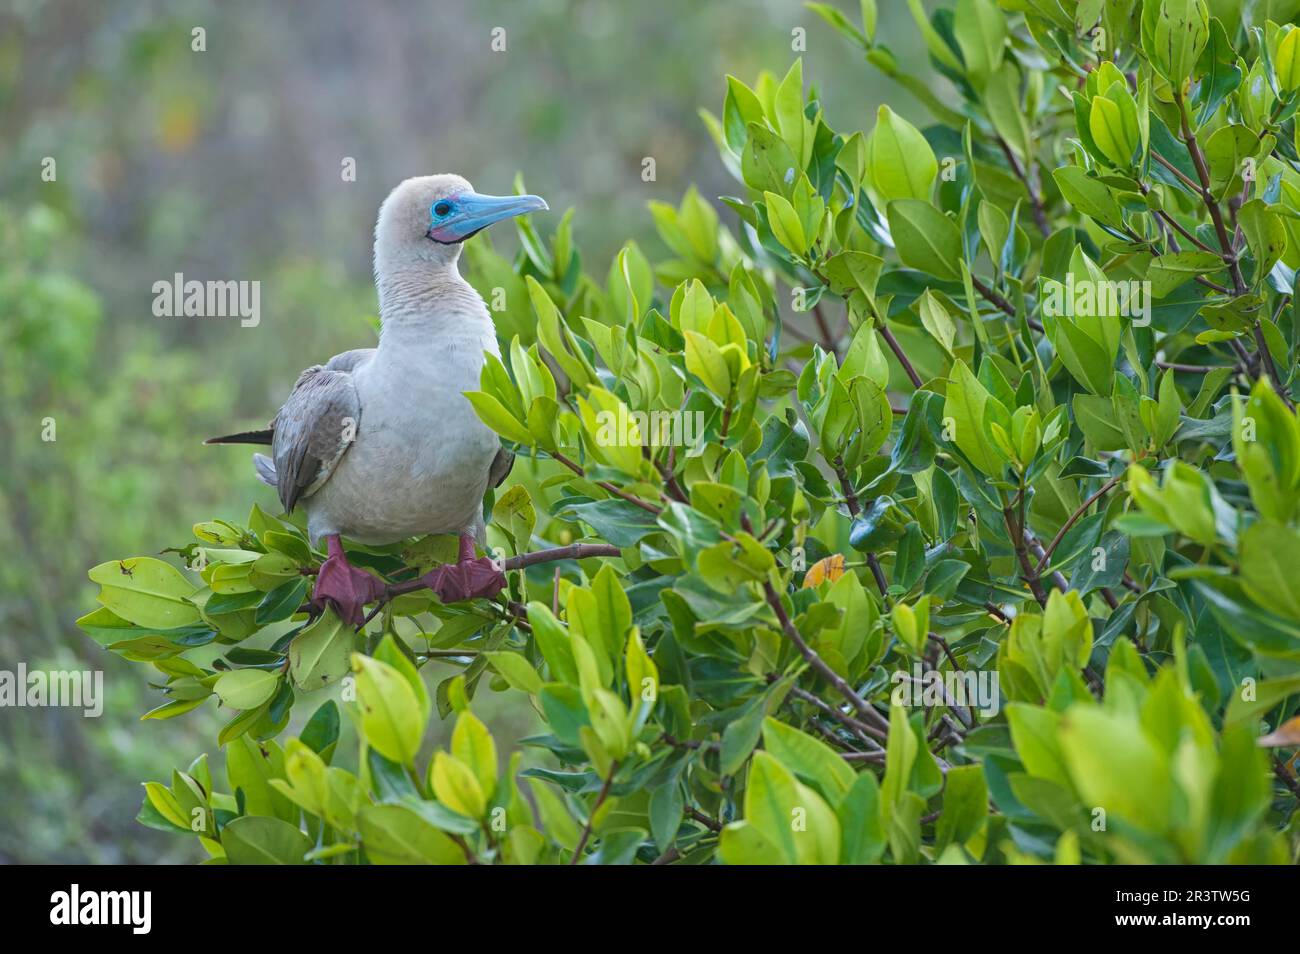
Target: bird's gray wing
{"type": "Point", "coordinates": [313, 430]}
{"type": "Point", "coordinates": [350, 360]}
{"type": "Point", "coordinates": [500, 468]}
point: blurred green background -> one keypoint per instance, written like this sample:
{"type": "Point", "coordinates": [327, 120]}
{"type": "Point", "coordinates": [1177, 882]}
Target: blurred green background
{"type": "Point", "coordinates": [226, 164]}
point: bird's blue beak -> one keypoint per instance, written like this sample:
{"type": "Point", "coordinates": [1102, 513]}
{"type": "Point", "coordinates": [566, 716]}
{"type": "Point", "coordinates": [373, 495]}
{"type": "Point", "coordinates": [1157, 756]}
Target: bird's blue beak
{"type": "Point", "coordinates": [457, 217]}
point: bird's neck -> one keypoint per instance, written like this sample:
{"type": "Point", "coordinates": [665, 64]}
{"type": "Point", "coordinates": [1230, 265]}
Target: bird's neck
{"type": "Point", "coordinates": [423, 303]}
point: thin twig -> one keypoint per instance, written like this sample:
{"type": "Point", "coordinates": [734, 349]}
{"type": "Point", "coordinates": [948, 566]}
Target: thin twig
{"type": "Point", "coordinates": [712, 824]}
{"type": "Point", "coordinates": [815, 661]}
{"type": "Point", "coordinates": [901, 355]}
{"type": "Point", "coordinates": [574, 551]}
{"type": "Point", "coordinates": [1176, 171]}
{"type": "Point", "coordinates": [1188, 368]}
{"type": "Point", "coordinates": [1070, 521]}
{"type": "Point", "coordinates": [855, 508]}
{"type": "Point", "coordinates": [863, 731]}
{"type": "Point", "coordinates": [1027, 177]}
{"type": "Point", "coordinates": [1000, 303]}
{"type": "Point", "coordinates": [1022, 555]}
{"type": "Point", "coordinates": [591, 817]}
{"type": "Point", "coordinates": [828, 339]}
{"type": "Point", "coordinates": [607, 486]}
{"type": "Point", "coordinates": [1229, 254]}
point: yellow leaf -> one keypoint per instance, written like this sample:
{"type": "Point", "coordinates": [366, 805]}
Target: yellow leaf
{"type": "Point", "coordinates": [829, 568]}
{"type": "Point", "coordinates": [456, 787]}
{"type": "Point", "coordinates": [1283, 737]}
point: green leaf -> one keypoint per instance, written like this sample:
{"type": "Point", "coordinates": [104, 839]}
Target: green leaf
{"type": "Point", "coordinates": [246, 688]}
{"type": "Point", "coordinates": [396, 835]}
{"type": "Point", "coordinates": [925, 238]}
{"type": "Point", "coordinates": [146, 592]}
{"type": "Point", "coordinates": [255, 840]}
{"type": "Point", "coordinates": [862, 830]}
{"type": "Point", "coordinates": [515, 669]}
{"type": "Point", "coordinates": [705, 360]}
{"type": "Point", "coordinates": [1270, 556]}
{"type": "Point", "coordinates": [1114, 765]}
{"type": "Point", "coordinates": [981, 31]}
{"type": "Point", "coordinates": [965, 805]}
{"type": "Point", "coordinates": [494, 414]}
{"type": "Point", "coordinates": [742, 843]}
{"type": "Point", "coordinates": [1168, 272]}
{"type": "Point", "coordinates": [900, 163]}
{"type": "Point", "coordinates": [322, 653]}
{"type": "Point", "coordinates": [967, 406]}
{"type": "Point", "coordinates": [1265, 233]}
{"type": "Point", "coordinates": [809, 758]}
{"type": "Point", "coordinates": [900, 756]}
{"type": "Point", "coordinates": [391, 716]}
{"type": "Point", "coordinates": [770, 797]}
{"type": "Point", "coordinates": [456, 786]}
{"type": "Point", "coordinates": [280, 603]}
{"type": "Point", "coordinates": [785, 226]}
{"type": "Point", "coordinates": [472, 744]}
{"type": "Point", "coordinates": [1088, 195]}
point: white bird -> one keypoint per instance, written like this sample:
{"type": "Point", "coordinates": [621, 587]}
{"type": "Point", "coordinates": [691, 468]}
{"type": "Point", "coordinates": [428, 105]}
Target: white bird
{"type": "Point", "coordinates": [380, 444]}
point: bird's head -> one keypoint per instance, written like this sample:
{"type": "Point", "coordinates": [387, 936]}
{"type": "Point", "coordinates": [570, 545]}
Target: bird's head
{"type": "Point", "coordinates": [426, 218]}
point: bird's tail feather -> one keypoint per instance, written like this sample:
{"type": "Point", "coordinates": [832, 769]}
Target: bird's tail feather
{"type": "Point", "coordinates": [263, 436]}
{"type": "Point", "coordinates": [265, 468]}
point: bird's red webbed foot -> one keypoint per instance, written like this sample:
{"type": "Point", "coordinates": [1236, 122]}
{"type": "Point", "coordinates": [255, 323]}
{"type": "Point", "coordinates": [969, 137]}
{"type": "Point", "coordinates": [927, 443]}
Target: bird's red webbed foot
{"type": "Point", "coordinates": [343, 586]}
{"type": "Point", "coordinates": [469, 578]}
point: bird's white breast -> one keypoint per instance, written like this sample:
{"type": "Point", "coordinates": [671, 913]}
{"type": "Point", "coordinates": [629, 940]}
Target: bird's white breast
{"type": "Point", "coordinates": [421, 456]}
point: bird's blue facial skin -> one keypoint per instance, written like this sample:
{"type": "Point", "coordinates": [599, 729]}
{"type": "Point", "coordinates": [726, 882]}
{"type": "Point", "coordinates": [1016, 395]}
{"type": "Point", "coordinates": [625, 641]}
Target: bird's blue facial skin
{"type": "Point", "coordinates": [455, 218]}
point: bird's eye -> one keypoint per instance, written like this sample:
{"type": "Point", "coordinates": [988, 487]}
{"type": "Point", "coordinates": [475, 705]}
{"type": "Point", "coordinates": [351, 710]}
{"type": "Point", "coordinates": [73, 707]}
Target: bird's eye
{"type": "Point", "coordinates": [442, 208]}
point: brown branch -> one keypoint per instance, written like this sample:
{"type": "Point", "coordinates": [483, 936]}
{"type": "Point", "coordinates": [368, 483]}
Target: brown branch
{"type": "Point", "coordinates": [712, 824]}
{"type": "Point", "coordinates": [878, 757]}
{"type": "Point", "coordinates": [574, 551]}
{"type": "Point", "coordinates": [1028, 178]}
{"type": "Point", "coordinates": [666, 471]}
{"type": "Point", "coordinates": [1287, 779]}
{"type": "Point", "coordinates": [855, 508]}
{"type": "Point", "coordinates": [1022, 555]}
{"type": "Point", "coordinates": [996, 613]}
{"type": "Point", "coordinates": [947, 650]}
{"type": "Point", "coordinates": [591, 817]}
{"type": "Point", "coordinates": [726, 419]}
{"type": "Point", "coordinates": [899, 353]}
{"type": "Point", "coordinates": [1229, 255]}
{"type": "Point", "coordinates": [1212, 286]}
{"type": "Point", "coordinates": [868, 734]}
{"type": "Point", "coordinates": [1270, 369]}
{"type": "Point", "coordinates": [1165, 216]}
{"type": "Point", "coordinates": [1176, 171]}
{"type": "Point", "coordinates": [1071, 520]}
{"type": "Point", "coordinates": [1188, 368]}
{"type": "Point", "coordinates": [816, 662]}
{"type": "Point", "coordinates": [1000, 303]}
{"type": "Point", "coordinates": [828, 339]}
{"type": "Point", "coordinates": [607, 486]}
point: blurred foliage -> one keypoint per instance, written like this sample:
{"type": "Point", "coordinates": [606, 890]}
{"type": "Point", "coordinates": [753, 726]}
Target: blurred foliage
{"type": "Point", "coordinates": [959, 477]}
{"type": "Point", "coordinates": [226, 164]}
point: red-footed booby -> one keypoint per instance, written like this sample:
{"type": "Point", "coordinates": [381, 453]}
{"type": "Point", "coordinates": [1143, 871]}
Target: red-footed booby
{"type": "Point", "coordinates": [380, 444]}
